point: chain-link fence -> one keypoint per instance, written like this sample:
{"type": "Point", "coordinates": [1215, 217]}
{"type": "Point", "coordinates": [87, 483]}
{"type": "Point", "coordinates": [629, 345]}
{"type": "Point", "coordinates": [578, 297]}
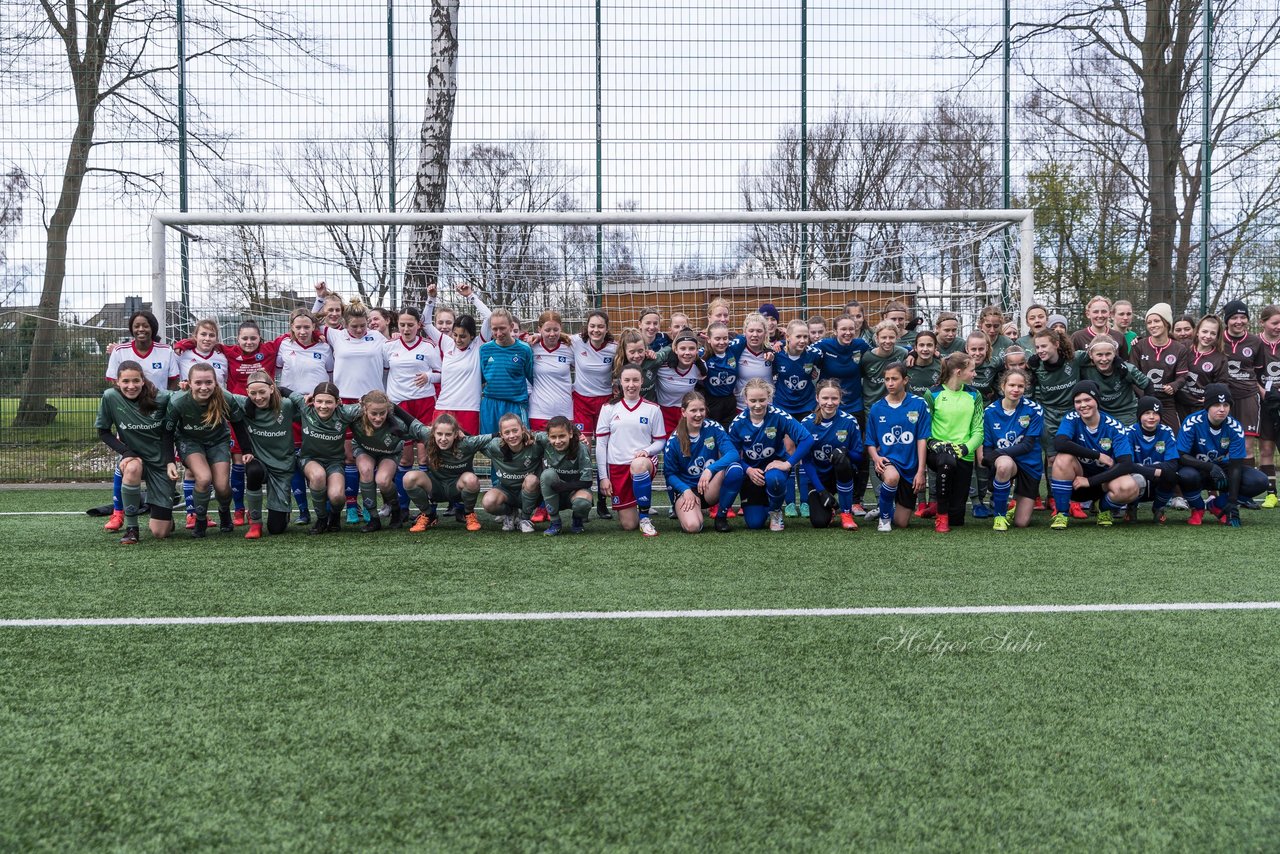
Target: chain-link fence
{"type": "Point", "coordinates": [1097, 116]}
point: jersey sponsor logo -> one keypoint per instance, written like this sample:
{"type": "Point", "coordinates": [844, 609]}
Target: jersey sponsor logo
{"type": "Point", "coordinates": [795, 383]}
{"type": "Point", "coordinates": [759, 451]}
{"type": "Point", "coordinates": [897, 436]}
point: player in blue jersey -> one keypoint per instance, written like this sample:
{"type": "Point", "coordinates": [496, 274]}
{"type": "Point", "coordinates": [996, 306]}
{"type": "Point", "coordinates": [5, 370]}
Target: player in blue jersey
{"type": "Point", "coordinates": [1094, 459]}
{"type": "Point", "coordinates": [1212, 454]}
{"type": "Point", "coordinates": [842, 360]}
{"type": "Point", "coordinates": [795, 374]}
{"type": "Point", "coordinates": [898, 427]}
{"type": "Point", "coordinates": [1155, 457]}
{"type": "Point", "coordinates": [1011, 428]}
{"type": "Point", "coordinates": [720, 384]}
{"type": "Point", "coordinates": [506, 368]}
{"type": "Point", "coordinates": [760, 435]}
{"type": "Point", "coordinates": [694, 463]}
{"type": "Point", "coordinates": [833, 460]}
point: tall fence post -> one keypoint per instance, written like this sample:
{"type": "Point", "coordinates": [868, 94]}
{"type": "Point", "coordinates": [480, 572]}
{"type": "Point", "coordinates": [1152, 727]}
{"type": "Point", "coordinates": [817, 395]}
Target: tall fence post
{"type": "Point", "coordinates": [804, 152]}
{"type": "Point", "coordinates": [1206, 155]}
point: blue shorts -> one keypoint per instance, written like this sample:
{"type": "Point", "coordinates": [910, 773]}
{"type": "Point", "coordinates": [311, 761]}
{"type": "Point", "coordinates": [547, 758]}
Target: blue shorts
{"type": "Point", "coordinates": [492, 410]}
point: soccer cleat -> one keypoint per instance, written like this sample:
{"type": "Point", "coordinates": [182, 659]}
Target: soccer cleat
{"type": "Point", "coordinates": [1013, 505]}
{"type": "Point", "coordinates": [1039, 505]}
{"type": "Point", "coordinates": [473, 524]}
{"type": "Point", "coordinates": [130, 537]}
{"type": "Point", "coordinates": [509, 522]}
{"type": "Point", "coordinates": [871, 512]}
{"type": "Point", "coordinates": [722, 524]}
{"type": "Point", "coordinates": [353, 514]}
{"type": "Point", "coordinates": [1177, 502]}
{"type": "Point", "coordinates": [733, 514]}
{"type": "Point", "coordinates": [191, 521]}
{"type": "Point", "coordinates": [335, 523]}
{"type": "Point", "coordinates": [459, 513]}
{"type": "Point", "coordinates": [602, 508]}
{"type": "Point", "coordinates": [714, 511]}
{"type": "Point", "coordinates": [1001, 523]}
{"type": "Point", "coordinates": [321, 524]}
{"type": "Point", "coordinates": [1059, 522]}
{"type": "Point", "coordinates": [254, 532]}
{"type": "Point", "coordinates": [303, 519]}
{"type": "Point", "coordinates": [1197, 516]}
{"type": "Point", "coordinates": [201, 526]}
{"type": "Point", "coordinates": [225, 524]}
{"type": "Point", "coordinates": [385, 511]}
{"type": "Point", "coordinates": [885, 526]}
{"type": "Point", "coordinates": [790, 511]}
{"type": "Point", "coordinates": [1104, 519]}
{"type": "Point", "coordinates": [422, 523]}
{"type": "Point", "coordinates": [858, 509]}
{"type": "Point", "coordinates": [804, 509]}
{"type": "Point", "coordinates": [397, 517]}
{"type": "Point", "coordinates": [116, 522]}
{"type": "Point", "coordinates": [554, 529]}
{"type": "Point", "coordinates": [373, 525]}
{"type": "Point", "coordinates": [942, 524]}
{"type": "Point", "coordinates": [1218, 512]}
{"type": "Point", "coordinates": [539, 516]}
{"type": "Point", "coordinates": [671, 513]}
{"type": "Point", "coordinates": [1270, 502]}
{"type": "Point", "coordinates": [646, 527]}
{"type": "Point", "coordinates": [526, 527]}
{"type": "Point", "coordinates": [847, 522]}
{"type": "Point", "coordinates": [239, 519]}
{"type": "Point", "coordinates": [1233, 519]}
{"type": "Point", "coordinates": [982, 511]}
{"type": "Point", "coordinates": [927, 510]}
{"type": "Point", "coordinates": [775, 521]}
{"type": "Point", "coordinates": [1077, 511]}
{"type": "Point", "coordinates": [577, 527]}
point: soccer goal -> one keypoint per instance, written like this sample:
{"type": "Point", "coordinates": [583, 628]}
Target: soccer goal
{"type": "Point", "coordinates": [807, 264]}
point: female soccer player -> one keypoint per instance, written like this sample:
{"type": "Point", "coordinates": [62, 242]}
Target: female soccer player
{"type": "Point", "coordinates": [1055, 373]}
{"type": "Point", "coordinates": [633, 353]}
{"type": "Point", "coordinates": [1155, 458]}
{"type": "Point", "coordinates": [1162, 360]}
{"type": "Point", "coordinates": [357, 370]}
{"type": "Point", "coordinates": [593, 361]}
{"type": "Point", "coordinates": [956, 433]}
{"type": "Point", "coordinates": [329, 307]}
{"type": "Point", "coordinates": [650, 327]}
{"type": "Point", "coordinates": [754, 355]}
{"type": "Point", "coordinates": [897, 430]}
{"type": "Point", "coordinates": [1184, 331]}
{"type": "Point", "coordinates": [679, 372]}
{"type": "Point", "coordinates": [1093, 461]}
{"type": "Point", "coordinates": [1212, 454]}
{"type": "Point", "coordinates": [516, 455]}
{"type": "Point", "coordinates": [629, 438]}
{"type": "Point", "coordinates": [567, 475]}
{"type": "Point", "coordinates": [875, 361]}
{"type": "Point", "coordinates": [897, 313]}
{"type": "Point", "coordinates": [272, 461]}
{"type": "Point", "coordinates": [923, 364]}
{"type": "Point", "coordinates": [832, 463]}
{"type": "Point", "coordinates": [303, 362]}
{"type": "Point", "coordinates": [796, 369]}
{"type": "Point", "coordinates": [1207, 364]}
{"type": "Point", "coordinates": [377, 440]}
{"type": "Point", "coordinates": [947, 330]}
{"type": "Point", "coordinates": [460, 380]}
{"type": "Point", "coordinates": [760, 436]}
{"type": "Point", "coordinates": [1116, 379]}
{"type": "Point", "coordinates": [449, 477]}
{"type": "Point", "coordinates": [719, 386]}
{"type": "Point", "coordinates": [322, 455]}
{"type": "Point", "coordinates": [551, 391]}
{"type": "Point", "coordinates": [1269, 379]}
{"type": "Point", "coordinates": [1037, 317]}
{"type": "Point", "coordinates": [695, 460]}
{"type": "Point", "coordinates": [131, 422]}
{"type": "Point", "coordinates": [991, 324]}
{"type": "Point", "coordinates": [718, 311]}
{"type": "Point", "coordinates": [1011, 449]}
{"type": "Point", "coordinates": [198, 419]}
{"type": "Point", "coordinates": [1098, 313]}
{"type": "Point", "coordinates": [1244, 363]}
{"type": "Point", "coordinates": [861, 329]}
{"type": "Point", "coordinates": [412, 365]}
{"type": "Point", "coordinates": [205, 347]}
{"type": "Point", "coordinates": [506, 369]}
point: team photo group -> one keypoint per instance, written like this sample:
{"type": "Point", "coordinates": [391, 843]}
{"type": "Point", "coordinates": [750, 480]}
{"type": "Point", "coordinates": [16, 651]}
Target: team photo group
{"type": "Point", "coordinates": [782, 418]}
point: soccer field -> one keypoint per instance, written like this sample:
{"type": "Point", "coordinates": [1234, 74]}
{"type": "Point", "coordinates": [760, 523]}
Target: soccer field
{"type": "Point", "coordinates": [1113, 729]}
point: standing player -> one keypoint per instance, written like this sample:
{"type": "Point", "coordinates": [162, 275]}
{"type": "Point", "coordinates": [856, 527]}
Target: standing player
{"type": "Point", "coordinates": [1184, 331]}
{"type": "Point", "coordinates": [1011, 449]}
{"type": "Point", "coordinates": [991, 324]}
{"type": "Point", "coordinates": [898, 427]}
{"type": "Point", "coordinates": [131, 422]}
{"type": "Point", "coordinates": [1207, 364]}
{"type": "Point", "coordinates": [680, 371]}
{"type": "Point", "coordinates": [720, 384]}
{"type": "Point", "coordinates": [551, 390]}
{"type": "Point", "coordinates": [874, 362]}
{"type": "Point", "coordinates": [1269, 379]}
{"type": "Point", "coordinates": [795, 375]}
{"type": "Point", "coordinates": [1098, 313]}
{"type": "Point", "coordinates": [955, 435]}
{"type": "Point", "coordinates": [412, 365]}
{"type": "Point", "coordinates": [760, 434]}
{"type": "Point", "coordinates": [1116, 379]}
{"type": "Point", "coordinates": [303, 361]}
{"type": "Point", "coordinates": [1244, 363]}
{"type": "Point", "coordinates": [1212, 454]}
{"type": "Point", "coordinates": [1054, 373]}
{"type": "Point", "coordinates": [629, 438]}
{"type": "Point", "coordinates": [1162, 360]}
{"type": "Point", "coordinates": [593, 359]}
{"type": "Point", "coordinates": [207, 349]}
{"type": "Point", "coordinates": [694, 462]}
{"type": "Point", "coordinates": [1037, 317]}
{"type": "Point", "coordinates": [833, 461]}
{"type": "Point", "coordinates": [357, 370]}
{"type": "Point", "coordinates": [506, 369]}
{"type": "Point", "coordinates": [1122, 318]}
{"type": "Point", "coordinates": [754, 355]}
{"type": "Point", "coordinates": [460, 379]}
{"type": "Point", "coordinates": [923, 363]}
{"type": "Point", "coordinates": [1094, 458]}
{"type": "Point", "coordinates": [947, 330]}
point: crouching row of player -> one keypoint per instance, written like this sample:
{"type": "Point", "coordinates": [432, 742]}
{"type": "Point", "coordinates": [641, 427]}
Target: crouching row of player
{"type": "Point", "coordinates": [707, 466]}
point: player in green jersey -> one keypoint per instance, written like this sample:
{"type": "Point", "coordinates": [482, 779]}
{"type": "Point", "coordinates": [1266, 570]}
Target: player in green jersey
{"type": "Point", "coordinates": [567, 476]}
{"type": "Point", "coordinates": [323, 457]}
{"type": "Point", "coordinates": [449, 477]}
{"type": "Point", "coordinates": [269, 420]}
{"type": "Point", "coordinates": [131, 422]}
{"type": "Point", "coordinates": [200, 420]}
{"type": "Point", "coordinates": [516, 455]}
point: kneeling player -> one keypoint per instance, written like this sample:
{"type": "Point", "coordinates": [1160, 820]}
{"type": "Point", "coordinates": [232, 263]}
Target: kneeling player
{"type": "Point", "coordinates": [898, 429]}
{"type": "Point", "coordinates": [1011, 429]}
{"type": "Point", "coordinates": [1212, 453]}
{"type": "Point", "coordinates": [1155, 456]}
{"type": "Point", "coordinates": [832, 463]}
{"type": "Point", "coordinates": [694, 463]}
{"type": "Point", "coordinates": [1094, 459]}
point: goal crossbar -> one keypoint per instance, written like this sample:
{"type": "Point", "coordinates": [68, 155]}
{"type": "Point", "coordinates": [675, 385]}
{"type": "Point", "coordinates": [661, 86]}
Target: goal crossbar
{"type": "Point", "coordinates": [161, 221]}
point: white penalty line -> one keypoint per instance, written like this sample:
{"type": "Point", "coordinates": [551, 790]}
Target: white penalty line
{"type": "Point", "coordinates": [535, 616]}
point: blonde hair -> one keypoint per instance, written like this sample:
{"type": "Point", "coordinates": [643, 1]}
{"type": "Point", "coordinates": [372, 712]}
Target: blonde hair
{"type": "Point", "coordinates": [218, 409]}
{"type": "Point", "coordinates": [758, 382]}
{"type": "Point", "coordinates": [882, 326]}
{"type": "Point", "coordinates": [682, 429]}
{"type": "Point", "coordinates": [754, 317]}
{"type": "Point", "coordinates": [373, 398]}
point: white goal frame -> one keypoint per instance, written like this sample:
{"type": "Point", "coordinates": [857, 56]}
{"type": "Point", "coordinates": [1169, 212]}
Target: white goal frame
{"type": "Point", "coordinates": [1024, 218]}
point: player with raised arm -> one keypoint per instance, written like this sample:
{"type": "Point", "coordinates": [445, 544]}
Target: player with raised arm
{"type": "Point", "coordinates": [831, 467]}
{"type": "Point", "coordinates": [1011, 449]}
{"type": "Point", "coordinates": [896, 435]}
{"type": "Point", "coordinates": [460, 376]}
{"type": "Point", "coordinates": [694, 462]}
{"type": "Point", "coordinates": [629, 439]}
{"type": "Point", "coordinates": [760, 434]}
{"type": "Point", "coordinates": [1094, 459]}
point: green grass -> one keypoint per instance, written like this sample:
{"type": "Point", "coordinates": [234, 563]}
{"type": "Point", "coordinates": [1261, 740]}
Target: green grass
{"type": "Point", "coordinates": [68, 449]}
{"type": "Point", "coordinates": [1110, 731]}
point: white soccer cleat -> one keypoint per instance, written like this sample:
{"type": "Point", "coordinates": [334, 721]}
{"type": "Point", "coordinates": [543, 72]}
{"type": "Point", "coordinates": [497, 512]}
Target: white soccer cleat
{"type": "Point", "coordinates": [526, 527]}
{"type": "Point", "coordinates": [775, 521]}
{"type": "Point", "coordinates": [646, 527]}
{"type": "Point", "coordinates": [509, 522]}
{"type": "Point", "coordinates": [885, 526]}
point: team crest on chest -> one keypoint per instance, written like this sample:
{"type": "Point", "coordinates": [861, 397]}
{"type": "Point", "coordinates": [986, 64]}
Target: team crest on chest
{"type": "Point", "coordinates": [708, 443]}
{"type": "Point", "coordinates": [771, 432]}
{"type": "Point", "coordinates": [1024, 420]}
{"type": "Point", "coordinates": [1170, 359]}
{"type": "Point", "coordinates": [842, 435]}
{"type": "Point", "coordinates": [1105, 444]}
{"type": "Point", "coordinates": [913, 417]}
{"type": "Point", "coordinates": [1160, 447]}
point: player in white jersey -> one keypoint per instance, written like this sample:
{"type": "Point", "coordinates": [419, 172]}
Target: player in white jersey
{"type": "Point", "coordinates": [159, 362]}
{"type": "Point", "coordinates": [594, 351]}
{"type": "Point", "coordinates": [413, 366]}
{"type": "Point", "coordinates": [304, 360]}
{"type": "Point", "coordinates": [629, 438]}
{"type": "Point", "coordinates": [755, 358]}
{"type": "Point", "coordinates": [551, 392]}
{"type": "Point", "coordinates": [357, 355]}
{"type": "Point", "coordinates": [460, 381]}
{"type": "Point", "coordinates": [206, 352]}
{"type": "Point", "coordinates": [679, 372]}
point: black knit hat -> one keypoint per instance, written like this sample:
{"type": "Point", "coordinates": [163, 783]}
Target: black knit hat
{"type": "Point", "coordinates": [1215, 393]}
{"type": "Point", "coordinates": [1088, 387]}
{"type": "Point", "coordinates": [1233, 308]}
{"type": "Point", "coordinates": [1147, 403]}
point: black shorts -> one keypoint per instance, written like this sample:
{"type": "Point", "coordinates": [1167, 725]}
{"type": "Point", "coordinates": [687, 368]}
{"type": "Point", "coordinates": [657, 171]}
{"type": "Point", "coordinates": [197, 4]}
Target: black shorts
{"type": "Point", "coordinates": [722, 410]}
{"type": "Point", "coordinates": [905, 496]}
{"type": "Point", "coordinates": [1248, 411]}
{"type": "Point", "coordinates": [752, 495]}
{"type": "Point", "coordinates": [1025, 484]}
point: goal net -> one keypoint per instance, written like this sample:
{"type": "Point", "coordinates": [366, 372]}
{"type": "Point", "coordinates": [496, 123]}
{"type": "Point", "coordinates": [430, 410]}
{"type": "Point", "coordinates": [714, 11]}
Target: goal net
{"type": "Point", "coordinates": [806, 264]}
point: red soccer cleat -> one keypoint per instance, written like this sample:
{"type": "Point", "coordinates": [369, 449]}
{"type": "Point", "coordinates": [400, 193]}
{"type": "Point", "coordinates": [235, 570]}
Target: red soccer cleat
{"type": "Point", "coordinates": [539, 516]}
{"type": "Point", "coordinates": [1040, 503]}
{"type": "Point", "coordinates": [254, 532]}
{"type": "Point", "coordinates": [942, 525]}
{"type": "Point", "coordinates": [846, 521]}
{"type": "Point", "coordinates": [116, 522]}
{"type": "Point", "coordinates": [928, 510]}
{"type": "Point", "coordinates": [191, 521]}
{"type": "Point", "coordinates": [1078, 512]}
{"type": "Point", "coordinates": [239, 518]}
{"type": "Point", "coordinates": [1197, 517]}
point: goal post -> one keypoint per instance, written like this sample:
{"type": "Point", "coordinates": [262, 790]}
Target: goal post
{"type": "Point", "coordinates": [804, 262]}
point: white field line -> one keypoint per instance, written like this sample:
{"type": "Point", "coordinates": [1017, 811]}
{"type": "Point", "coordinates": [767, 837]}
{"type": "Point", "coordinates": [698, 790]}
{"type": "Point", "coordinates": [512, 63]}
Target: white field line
{"type": "Point", "coordinates": [518, 617]}
{"type": "Point", "coordinates": [44, 513]}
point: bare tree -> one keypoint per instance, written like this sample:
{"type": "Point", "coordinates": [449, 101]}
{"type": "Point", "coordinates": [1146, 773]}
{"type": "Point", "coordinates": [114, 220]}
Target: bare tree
{"type": "Point", "coordinates": [120, 68]}
{"type": "Point", "coordinates": [246, 262]}
{"type": "Point", "coordinates": [339, 176]}
{"type": "Point", "coordinates": [431, 183]}
{"type": "Point", "coordinates": [13, 193]}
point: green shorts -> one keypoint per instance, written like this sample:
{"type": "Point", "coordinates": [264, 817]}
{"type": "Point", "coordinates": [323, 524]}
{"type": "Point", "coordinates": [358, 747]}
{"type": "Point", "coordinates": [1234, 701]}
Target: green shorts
{"type": "Point", "coordinates": [219, 452]}
{"type": "Point", "coordinates": [279, 487]}
{"type": "Point", "coordinates": [331, 467]}
{"type": "Point", "coordinates": [1051, 422]}
{"type": "Point", "coordinates": [161, 492]}
{"type": "Point", "coordinates": [444, 491]}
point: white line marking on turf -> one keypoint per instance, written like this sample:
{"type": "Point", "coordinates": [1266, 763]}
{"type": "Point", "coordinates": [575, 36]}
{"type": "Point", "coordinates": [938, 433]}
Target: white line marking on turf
{"type": "Point", "coordinates": [518, 617]}
{"type": "Point", "coordinates": [44, 513]}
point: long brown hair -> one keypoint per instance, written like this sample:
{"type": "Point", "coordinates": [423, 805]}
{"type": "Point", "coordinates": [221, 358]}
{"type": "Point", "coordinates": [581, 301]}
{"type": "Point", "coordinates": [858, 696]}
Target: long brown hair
{"type": "Point", "coordinates": [526, 438]}
{"type": "Point", "coordinates": [376, 397]}
{"type": "Point", "coordinates": [628, 336]}
{"type": "Point", "coordinates": [444, 419]}
{"type": "Point", "coordinates": [603, 315]}
{"type": "Point", "coordinates": [218, 409]}
{"type": "Point", "coordinates": [560, 422]}
{"type": "Point", "coordinates": [682, 429]}
{"type": "Point", "coordinates": [264, 377]}
{"type": "Point", "coordinates": [952, 365]}
{"type": "Point", "coordinates": [1066, 350]}
{"type": "Point", "coordinates": [146, 400]}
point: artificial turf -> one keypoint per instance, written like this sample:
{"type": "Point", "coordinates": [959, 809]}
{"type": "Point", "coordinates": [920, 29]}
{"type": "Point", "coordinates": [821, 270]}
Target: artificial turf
{"type": "Point", "coordinates": [1080, 731]}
